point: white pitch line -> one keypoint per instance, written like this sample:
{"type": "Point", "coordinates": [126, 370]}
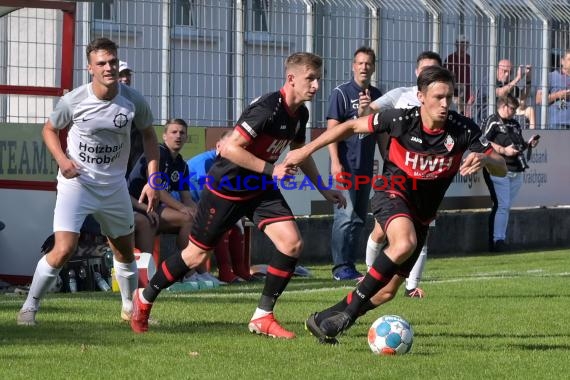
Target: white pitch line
{"type": "Point", "coordinates": [499, 275]}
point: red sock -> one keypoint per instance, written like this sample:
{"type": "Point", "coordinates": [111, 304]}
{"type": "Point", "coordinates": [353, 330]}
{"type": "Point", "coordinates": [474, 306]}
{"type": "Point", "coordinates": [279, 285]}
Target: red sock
{"type": "Point", "coordinates": [222, 254]}
{"type": "Point", "coordinates": [240, 263]}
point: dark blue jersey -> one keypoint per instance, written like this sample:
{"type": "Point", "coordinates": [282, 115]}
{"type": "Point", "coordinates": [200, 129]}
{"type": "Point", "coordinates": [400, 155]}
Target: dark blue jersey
{"type": "Point", "coordinates": [356, 153]}
{"type": "Point", "coordinates": [174, 170]}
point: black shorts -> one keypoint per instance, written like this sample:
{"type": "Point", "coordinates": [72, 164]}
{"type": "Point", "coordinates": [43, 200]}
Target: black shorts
{"type": "Point", "coordinates": [216, 215]}
{"type": "Point", "coordinates": [386, 207]}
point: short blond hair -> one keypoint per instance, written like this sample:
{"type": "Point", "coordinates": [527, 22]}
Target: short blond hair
{"type": "Point", "coordinates": [310, 60]}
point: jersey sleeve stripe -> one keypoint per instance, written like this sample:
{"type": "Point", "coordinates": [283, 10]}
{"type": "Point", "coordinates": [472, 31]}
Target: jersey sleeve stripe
{"type": "Point", "coordinates": [244, 133]}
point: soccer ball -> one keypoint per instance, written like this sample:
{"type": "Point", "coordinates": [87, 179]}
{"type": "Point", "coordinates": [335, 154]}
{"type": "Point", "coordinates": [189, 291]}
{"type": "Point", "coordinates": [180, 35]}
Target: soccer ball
{"type": "Point", "coordinates": [390, 335]}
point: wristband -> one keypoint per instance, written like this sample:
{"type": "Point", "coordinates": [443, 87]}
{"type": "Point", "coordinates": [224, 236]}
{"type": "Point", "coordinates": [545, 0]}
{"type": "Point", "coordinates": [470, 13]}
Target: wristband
{"type": "Point", "coordinates": [268, 169]}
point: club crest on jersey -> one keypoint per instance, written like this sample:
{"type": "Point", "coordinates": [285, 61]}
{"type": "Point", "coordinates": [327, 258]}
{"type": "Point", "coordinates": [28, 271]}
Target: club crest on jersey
{"type": "Point", "coordinates": [120, 120]}
{"type": "Point", "coordinates": [175, 176]}
{"type": "Point", "coordinates": [449, 143]}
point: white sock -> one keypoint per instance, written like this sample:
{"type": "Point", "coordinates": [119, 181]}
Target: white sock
{"type": "Point", "coordinates": [127, 276]}
{"type": "Point", "coordinates": [44, 277]}
{"type": "Point", "coordinates": [259, 313]}
{"type": "Point", "coordinates": [416, 273]}
{"type": "Point", "coordinates": [372, 251]}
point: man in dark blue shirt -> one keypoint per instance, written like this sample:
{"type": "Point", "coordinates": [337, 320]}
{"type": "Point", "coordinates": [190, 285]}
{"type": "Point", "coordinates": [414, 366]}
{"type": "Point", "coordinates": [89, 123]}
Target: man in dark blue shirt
{"type": "Point", "coordinates": [173, 215]}
{"type": "Point", "coordinates": [350, 158]}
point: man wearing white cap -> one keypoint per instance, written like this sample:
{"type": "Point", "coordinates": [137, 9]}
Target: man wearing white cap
{"type": "Point", "coordinates": [125, 73]}
{"type": "Point", "coordinates": [459, 63]}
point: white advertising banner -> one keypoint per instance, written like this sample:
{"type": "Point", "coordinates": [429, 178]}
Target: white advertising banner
{"type": "Point", "coordinates": [546, 182]}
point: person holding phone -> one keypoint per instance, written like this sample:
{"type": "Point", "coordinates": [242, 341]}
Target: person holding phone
{"type": "Point", "coordinates": [505, 134]}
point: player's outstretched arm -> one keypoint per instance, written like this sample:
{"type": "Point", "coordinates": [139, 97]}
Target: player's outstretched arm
{"type": "Point", "coordinates": [310, 169]}
{"type": "Point", "coordinates": [340, 132]}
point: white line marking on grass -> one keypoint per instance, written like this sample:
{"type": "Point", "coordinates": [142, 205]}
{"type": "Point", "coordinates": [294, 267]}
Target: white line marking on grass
{"type": "Point", "coordinates": [499, 275]}
{"type": "Point", "coordinates": [257, 292]}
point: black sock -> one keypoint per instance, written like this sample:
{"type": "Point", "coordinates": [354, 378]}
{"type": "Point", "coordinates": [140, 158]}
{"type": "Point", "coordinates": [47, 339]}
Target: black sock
{"type": "Point", "coordinates": [341, 306]}
{"type": "Point", "coordinates": [365, 308]}
{"type": "Point", "coordinates": [279, 272]}
{"type": "Point", "coordinates": [377, 277]}
{"type": "Point", "coordinates": [169, 271]}
{"type": "Point", "coordinates": [334, 309]}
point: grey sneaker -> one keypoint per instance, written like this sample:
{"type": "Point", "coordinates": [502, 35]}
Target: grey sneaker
{"type": "Point", "coordinates": [336, 324]}
{"type": "Point", "coordinates": [26, 317]}
{"type": "Point", "coordinates": [312, 326]}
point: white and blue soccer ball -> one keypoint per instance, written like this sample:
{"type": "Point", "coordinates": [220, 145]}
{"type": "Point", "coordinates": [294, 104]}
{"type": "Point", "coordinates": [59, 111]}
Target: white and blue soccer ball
{"type": "Point", "coordinates": [390, 335]}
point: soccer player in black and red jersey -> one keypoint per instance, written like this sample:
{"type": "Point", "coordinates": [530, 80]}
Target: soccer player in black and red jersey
{"type": "Point", "coordinates": [427, 144]}
{"type": "Point", "coordinates": [240, 186]}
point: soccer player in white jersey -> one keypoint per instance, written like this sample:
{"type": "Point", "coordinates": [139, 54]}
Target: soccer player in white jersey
{"type": "Point", "coordinates": [401, 97]}
{"type": "Point", "coordinates": [91, 178]}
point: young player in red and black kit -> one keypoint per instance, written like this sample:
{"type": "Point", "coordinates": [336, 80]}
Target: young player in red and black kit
{"type": "Point", "coordinates": [240, 186]}
{"type": "Point", "coordinates": [425, 152]}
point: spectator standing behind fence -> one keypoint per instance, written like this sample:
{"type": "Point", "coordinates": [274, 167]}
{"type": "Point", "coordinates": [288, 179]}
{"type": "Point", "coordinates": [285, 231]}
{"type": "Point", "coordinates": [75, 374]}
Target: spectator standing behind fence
{"type": "Point", "coordinates": [505, 134]}
{"type": "Point", "coordinates": [459, 63]}
{"type": "Point", "coordinates": [503, 86]}
{"type": "Point", "coordinates": [125, 76]}
{"type": "Point", "coordinates": [525, 114]}
{"type": "Point", "coordinates": [241, 185]}
{"type": "Point", "coordinates": [125, 73]}
{"type": "Point", "coordinates": [236, 269]}
{"type": "Point", "coordinates": [401, 97]}
{"type": "Point", "coordinates": [91, 176]}
{"type": "Point", "coordinates": [558, 95]}
{"type": "Point", "coordinates": [353, 156]}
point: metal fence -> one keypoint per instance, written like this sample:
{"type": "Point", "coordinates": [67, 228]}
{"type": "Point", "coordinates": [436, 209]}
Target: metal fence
{"type": "Point", "coordinates": [205, 60]}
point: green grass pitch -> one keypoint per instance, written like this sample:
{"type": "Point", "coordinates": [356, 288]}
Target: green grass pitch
{"type": "Point", "coordinates": [484, 317]}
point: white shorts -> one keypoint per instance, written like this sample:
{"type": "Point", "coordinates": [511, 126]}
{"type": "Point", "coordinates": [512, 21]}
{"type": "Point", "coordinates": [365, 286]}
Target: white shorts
{"type": "Point", "coordinates": [75, 201]}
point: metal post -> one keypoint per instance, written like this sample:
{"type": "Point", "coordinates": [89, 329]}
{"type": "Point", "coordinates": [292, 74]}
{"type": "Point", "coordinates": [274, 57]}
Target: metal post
{"type": "Point", "coordinates": [85, 38]}
{"type": "Point", "coordinates": [436, 24]}
{"type": "Point", "coordinates": [239, 73]}
{"type": "Point", "coordinates": [374, 35]}
{"type": "Point", "coordinates": [165, 64]}
{"type": "Point", "coordinates": [310, 43]}
{"type": "Point", "coordinates": [491, 95]}
{"type": "Point", "coordinates": [545, 63]}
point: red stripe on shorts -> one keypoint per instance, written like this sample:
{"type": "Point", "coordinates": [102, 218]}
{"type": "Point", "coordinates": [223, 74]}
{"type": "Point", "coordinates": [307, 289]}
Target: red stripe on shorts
{"type": "Point", "coordinates": [265, 222]}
